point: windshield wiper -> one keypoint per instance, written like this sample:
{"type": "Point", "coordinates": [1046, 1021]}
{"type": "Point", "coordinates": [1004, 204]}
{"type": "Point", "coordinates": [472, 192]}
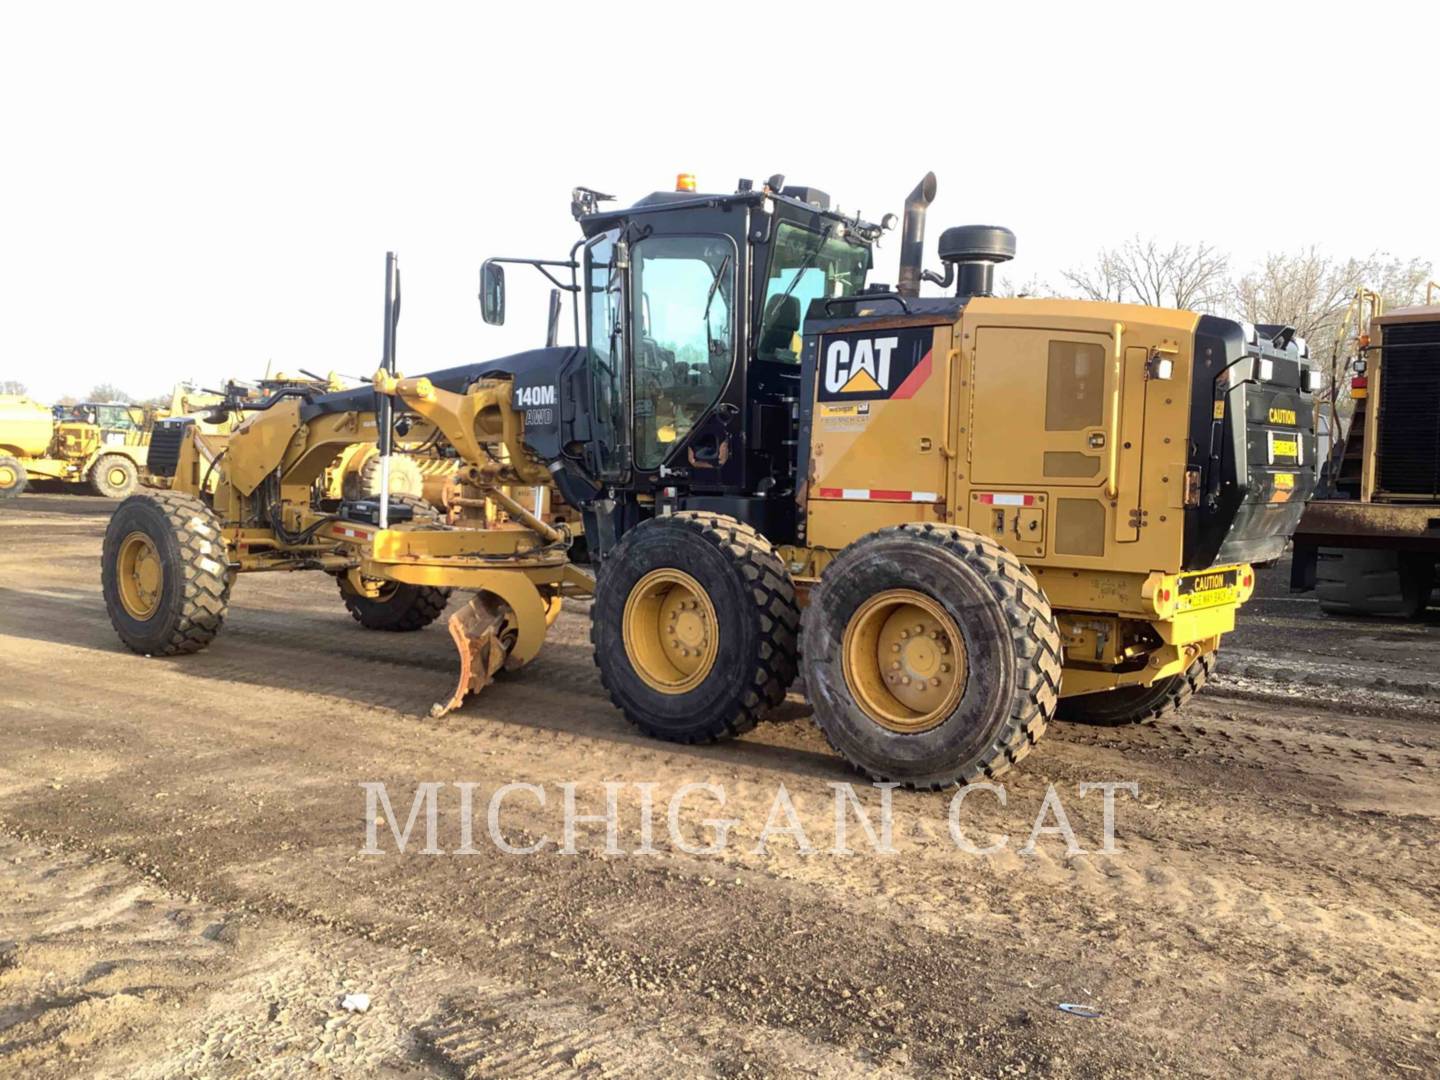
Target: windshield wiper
{"type": "Point", "coordinates": [710, 297]}
{"type": "Point", "coordinates": [800, 270]}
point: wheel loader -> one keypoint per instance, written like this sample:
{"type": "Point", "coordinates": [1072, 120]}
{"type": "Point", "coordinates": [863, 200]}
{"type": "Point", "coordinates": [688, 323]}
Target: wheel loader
{"type": "Point", "coordinates": [952, 515]}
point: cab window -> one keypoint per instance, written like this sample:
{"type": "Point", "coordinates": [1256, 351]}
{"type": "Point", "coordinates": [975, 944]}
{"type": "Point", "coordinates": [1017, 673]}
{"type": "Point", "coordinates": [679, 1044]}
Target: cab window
{"type": "Point", "coordinates": [804, 266]}
{"type": "Point", "coordinates": [604, 317]}
{"type": "Point", "coordinates": [682, 336]}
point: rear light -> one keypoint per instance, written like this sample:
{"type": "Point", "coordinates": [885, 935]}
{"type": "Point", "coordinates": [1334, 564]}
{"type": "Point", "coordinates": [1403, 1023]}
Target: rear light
{"type": "Point", "coordinates": [1164, 596]}
{"type": "Point", "coordinates": [1360, 382]}
{"type": "Point", "coordinates": [1192, 486]}
{"type": "Point", "coordinates": [1311, 381]}
{"type": "Point", "coordinates": [1264, 369]}
{"type": "Point", "coordinates": [1248, 579]}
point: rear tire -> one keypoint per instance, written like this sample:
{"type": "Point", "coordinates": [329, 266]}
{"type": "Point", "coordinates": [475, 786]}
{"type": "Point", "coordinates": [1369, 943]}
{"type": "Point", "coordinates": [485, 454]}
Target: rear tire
{"type": "Point", "coordinates": [114, 476]}
{"type": "Point", "coordinates": [694, 627]}
{"type": "Point", "coordinates": [1368, 581]}
{"type": "Point", "coordinates": [164, 572]}
{"type": "Point", "coordinates": [991, 704]}
{"type": "Point", "coordinates": [12, 477]}
{"type": "Point", "coordinates": [1139, 704]}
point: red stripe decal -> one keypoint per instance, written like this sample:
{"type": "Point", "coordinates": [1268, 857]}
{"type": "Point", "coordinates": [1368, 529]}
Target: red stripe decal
{"type": "Point", "coordinates": [832, 493]}
{"type": "Point", "coordinates": [894, 496]}
{"type": "Point", "coordinates": [913, 381]}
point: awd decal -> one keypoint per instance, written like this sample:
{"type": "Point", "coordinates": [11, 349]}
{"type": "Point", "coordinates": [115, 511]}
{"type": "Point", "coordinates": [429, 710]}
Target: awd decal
{"type": "Point", "coordinates": [874, 366]}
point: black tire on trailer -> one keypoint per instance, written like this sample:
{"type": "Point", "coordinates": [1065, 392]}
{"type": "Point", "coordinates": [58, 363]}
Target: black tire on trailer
{"type": "Point", "coordinates": [165, 574]}
{"type": "Point", "coordinates": [113, 476]}
{"type": "Point", "coordinates": [1139, 704]}
{"type": "Point", "coordinates": [694, 627]}
{"type": "Point", "coordinates": [13, 476]}
{"type": "Point", "coordinates": [1373, 581]}
{"type": "Point", "coordinates": [931, 656]}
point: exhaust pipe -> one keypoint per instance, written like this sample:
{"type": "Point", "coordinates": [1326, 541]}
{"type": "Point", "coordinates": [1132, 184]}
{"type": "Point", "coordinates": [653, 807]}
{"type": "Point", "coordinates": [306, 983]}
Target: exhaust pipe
{"type": "Point", "coordinates": [912, 238]}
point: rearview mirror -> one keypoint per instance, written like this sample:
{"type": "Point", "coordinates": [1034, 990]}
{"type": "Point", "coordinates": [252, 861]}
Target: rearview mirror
{"type": "Point", "coordinates": [492, 292]}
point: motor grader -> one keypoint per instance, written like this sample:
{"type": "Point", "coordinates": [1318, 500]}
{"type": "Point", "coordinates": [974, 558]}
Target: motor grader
{"type": "Point", "coordinates": [951, 514]}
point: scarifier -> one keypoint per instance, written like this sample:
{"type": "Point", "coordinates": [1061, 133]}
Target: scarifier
{"type": "Point", "coordinates": [953, 513]}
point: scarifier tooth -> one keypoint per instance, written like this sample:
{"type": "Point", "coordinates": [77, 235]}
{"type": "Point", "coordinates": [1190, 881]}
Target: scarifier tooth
{"type": "Point", "coordinates": [477, 631]}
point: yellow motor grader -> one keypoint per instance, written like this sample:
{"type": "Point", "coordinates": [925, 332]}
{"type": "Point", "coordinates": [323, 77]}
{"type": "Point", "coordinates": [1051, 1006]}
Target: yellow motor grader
{"type": "Point", "coordinates": [953, 514]}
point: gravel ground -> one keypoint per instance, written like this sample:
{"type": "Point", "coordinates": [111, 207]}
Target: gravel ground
{"type": "Point", "coordinates": [184, 890]}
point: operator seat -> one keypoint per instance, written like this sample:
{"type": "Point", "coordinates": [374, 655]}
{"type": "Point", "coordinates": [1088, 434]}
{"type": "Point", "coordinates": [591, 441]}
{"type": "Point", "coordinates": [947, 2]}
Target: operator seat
{"type": "Point", "coordinates": [781, 324]}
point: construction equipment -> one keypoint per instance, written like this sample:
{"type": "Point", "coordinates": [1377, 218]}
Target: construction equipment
{"type": "Point", "coordinates": [1369, 543]}
{"type": "Point", "coordinates": [982, 505]}
{"type": "Point", "coordinates": [99, 443]}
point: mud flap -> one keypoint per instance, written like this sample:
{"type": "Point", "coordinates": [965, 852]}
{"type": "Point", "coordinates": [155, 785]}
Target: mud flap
{"type": "Point", "coordinates": [484, 633]}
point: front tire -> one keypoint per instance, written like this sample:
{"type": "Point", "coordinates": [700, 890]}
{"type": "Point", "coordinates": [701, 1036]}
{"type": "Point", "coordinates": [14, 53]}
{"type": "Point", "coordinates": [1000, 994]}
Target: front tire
{"type": "Point", "coordinates": [694, 627]}
{"type": "Point", "coordinates": [165, 575]}
{"type": "Point", "coordinates": [114, 476]}
{"type": "Point", "coordinates": [931, 656]}
{"type": "Point", "coordinates": [12, 476]}
{"type": "Point", "coordinates": [1139, 704]}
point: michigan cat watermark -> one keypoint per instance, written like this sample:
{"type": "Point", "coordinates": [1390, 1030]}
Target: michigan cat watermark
{"type": "Point", "coordinates": [639, 819]}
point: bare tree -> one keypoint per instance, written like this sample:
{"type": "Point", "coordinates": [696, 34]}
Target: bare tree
{"type": "Point", "coordinates": [12, 386]}
{"type": "Point", "coordinates": [109, 392]}
{"type": "Point", "coordinates": [1140, 271]}
{"type": "Point", "coordinates": [1315, 293]}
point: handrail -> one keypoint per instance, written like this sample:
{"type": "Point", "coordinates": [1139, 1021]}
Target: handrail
{"type": "Point", "coordinates": [1112, 483]}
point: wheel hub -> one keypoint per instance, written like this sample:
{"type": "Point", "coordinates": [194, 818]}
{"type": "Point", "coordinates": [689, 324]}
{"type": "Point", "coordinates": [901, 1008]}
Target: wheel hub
{"type": "Point", "coordinates": [140, 576]}
{"type": "Point", "coordinates": [904, 660]}
{"type": "Point", "coordinates": [670, 631]}
{"type": "Point", "coordinates": [7, 476]}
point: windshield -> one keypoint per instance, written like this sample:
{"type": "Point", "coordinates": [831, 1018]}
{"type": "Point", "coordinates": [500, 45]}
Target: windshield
{"type": "Point", "coordinates": [804, 266]}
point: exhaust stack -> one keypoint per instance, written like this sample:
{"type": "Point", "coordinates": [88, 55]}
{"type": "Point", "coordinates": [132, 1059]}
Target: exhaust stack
{"type": "Point", "coordinates": [912, 238]}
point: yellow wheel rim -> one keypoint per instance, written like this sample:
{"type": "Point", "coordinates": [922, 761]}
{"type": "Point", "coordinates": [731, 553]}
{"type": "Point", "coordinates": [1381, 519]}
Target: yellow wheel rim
{"type": "Point", "coordinates": [904, 660]}
{"type": "Point", "coordinates": [140, 576]}
{"type": "Point", "coordinates": [118, 476]}
{"type": "Point", "coordinates": [7, 476]}
{"type": "Point", "coordinates": [670, 631]}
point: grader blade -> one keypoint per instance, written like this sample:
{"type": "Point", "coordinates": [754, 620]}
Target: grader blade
{"type": "Point", "coordinates": [480, 633]}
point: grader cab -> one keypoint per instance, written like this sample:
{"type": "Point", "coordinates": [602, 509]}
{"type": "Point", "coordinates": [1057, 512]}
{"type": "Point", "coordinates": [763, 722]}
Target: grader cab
{"type": "Point", "coordinates": [954, 514]}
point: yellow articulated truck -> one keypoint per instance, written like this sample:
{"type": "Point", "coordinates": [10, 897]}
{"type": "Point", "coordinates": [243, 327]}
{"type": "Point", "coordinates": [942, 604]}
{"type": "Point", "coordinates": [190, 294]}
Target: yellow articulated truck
{"type": "Point", "coordinates": [955, 517]}
{"type": "Point", "coordinates": [101, 444]}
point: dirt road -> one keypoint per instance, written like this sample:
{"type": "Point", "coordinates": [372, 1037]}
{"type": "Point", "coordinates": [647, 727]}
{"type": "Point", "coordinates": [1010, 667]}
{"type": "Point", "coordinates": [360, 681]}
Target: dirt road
{"type": "Point", "coordinates": [183, 889]}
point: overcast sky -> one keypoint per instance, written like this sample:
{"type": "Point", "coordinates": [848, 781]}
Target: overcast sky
{"type": "Point", "coordinates": [194, 191]}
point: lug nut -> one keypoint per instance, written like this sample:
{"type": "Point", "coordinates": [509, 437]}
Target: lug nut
{"type": "Point", "coordinates": [934, 635]}
{"type": "Point", "coordinates": [895, 648]}
{"type": "Point", "coordinates": [894, 665]}
{"type": "Point", "coordinates": [934, 682]}
{"type": "Point", "coordinates": [944, 667]}
{"type": "Point", "coordinates": [905, 680]}
{"type": "Point", "coordinates": [919, 628]}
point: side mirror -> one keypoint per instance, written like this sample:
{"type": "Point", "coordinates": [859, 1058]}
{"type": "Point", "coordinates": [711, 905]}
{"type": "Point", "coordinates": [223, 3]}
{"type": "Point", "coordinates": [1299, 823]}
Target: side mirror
{"type": "Point", "coordinates": [492, 292]}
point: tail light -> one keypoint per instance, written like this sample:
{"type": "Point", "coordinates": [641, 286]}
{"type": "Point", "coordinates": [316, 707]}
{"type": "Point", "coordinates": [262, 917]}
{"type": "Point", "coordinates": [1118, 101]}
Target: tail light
{"type": "Point", "coordinates": [1192, 486]}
